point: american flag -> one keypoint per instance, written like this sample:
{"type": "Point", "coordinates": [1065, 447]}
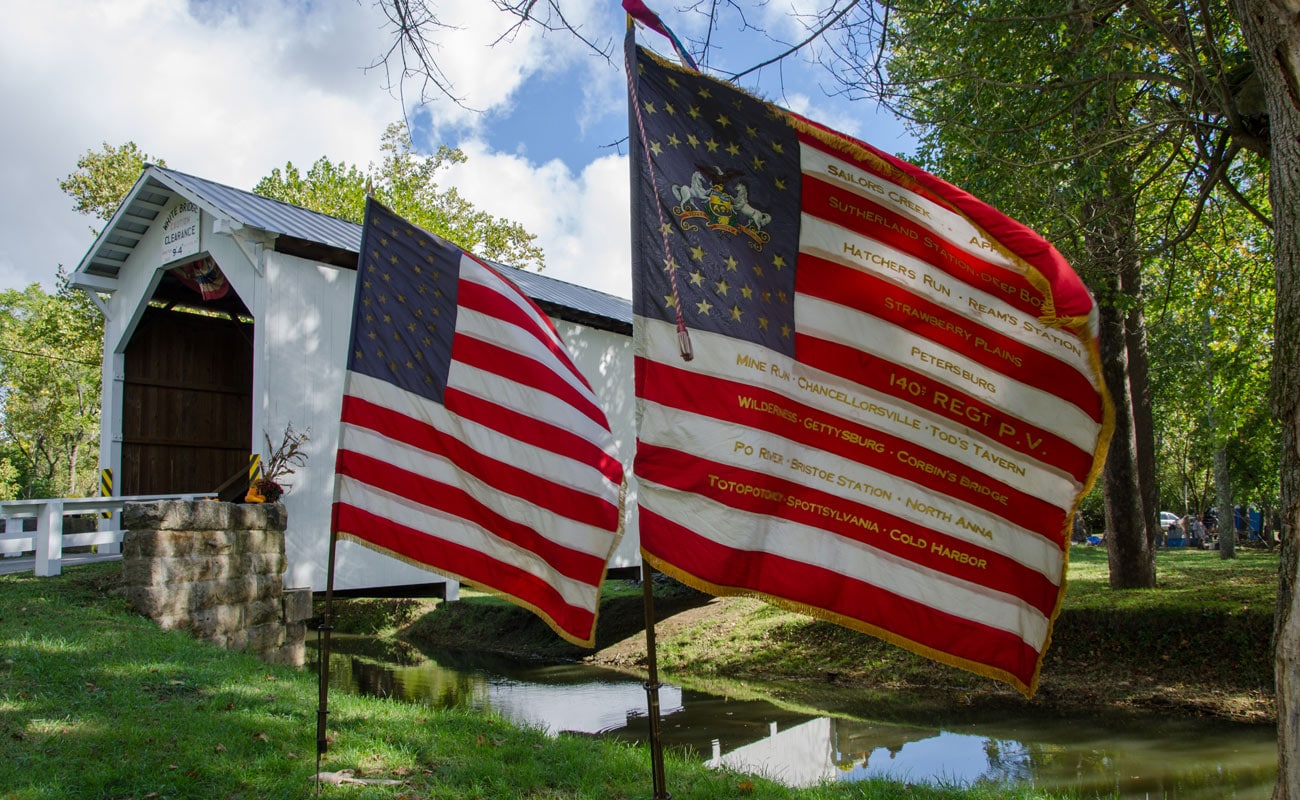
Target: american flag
{"type": "Point", "coordinates": [863, 393]}
{"type": "Point", "coordinates": [469, 441]}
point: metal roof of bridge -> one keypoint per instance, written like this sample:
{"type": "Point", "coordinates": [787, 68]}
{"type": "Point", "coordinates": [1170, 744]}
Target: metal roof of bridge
{"type": "Point", "coordinates": [302, 232]}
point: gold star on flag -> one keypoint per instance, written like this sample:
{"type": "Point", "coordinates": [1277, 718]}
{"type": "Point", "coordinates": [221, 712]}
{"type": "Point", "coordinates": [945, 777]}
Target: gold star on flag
{"type": "Point", "coordinates": [704, 307]}
{"type": "Point", "coordinates": [735, 313]}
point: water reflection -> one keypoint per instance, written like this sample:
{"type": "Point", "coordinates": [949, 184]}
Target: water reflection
{"type": "Point", "coordinates": [1179, 760]}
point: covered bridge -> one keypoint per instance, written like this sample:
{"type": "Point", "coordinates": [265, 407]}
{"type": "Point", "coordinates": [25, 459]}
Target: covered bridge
{"type": "Point", "coordinates": [227, 319]}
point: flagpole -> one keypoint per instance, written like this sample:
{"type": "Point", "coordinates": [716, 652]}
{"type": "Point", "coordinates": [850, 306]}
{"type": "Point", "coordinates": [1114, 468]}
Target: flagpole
{"type": "Point", "coordinates": [652, 683]}
{"type": "Point", "coordinates": [323, 653]}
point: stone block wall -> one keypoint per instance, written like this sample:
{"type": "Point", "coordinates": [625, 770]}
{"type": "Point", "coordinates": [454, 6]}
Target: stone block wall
{"type": "Point", "coordinates": [216, 570]}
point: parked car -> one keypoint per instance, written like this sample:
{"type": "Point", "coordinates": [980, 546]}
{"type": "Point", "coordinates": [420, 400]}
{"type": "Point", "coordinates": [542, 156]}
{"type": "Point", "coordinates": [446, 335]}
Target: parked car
{"type": "Point", "coordinates": [1168, 518]}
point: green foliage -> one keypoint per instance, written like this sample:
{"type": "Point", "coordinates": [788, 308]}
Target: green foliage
{"type": "Point", "coordinates": [9, 479]}
{"type": "Point", "coordinates": [407, 183]}
{"type": "Point", "coordinates": [50, 356]}
{"type": "Point", "coordinates": [1210, 335]}
{"type": "Point", "coordinates": [1082, 121]}
{"type": "Point", "coordinates": [103, 178]}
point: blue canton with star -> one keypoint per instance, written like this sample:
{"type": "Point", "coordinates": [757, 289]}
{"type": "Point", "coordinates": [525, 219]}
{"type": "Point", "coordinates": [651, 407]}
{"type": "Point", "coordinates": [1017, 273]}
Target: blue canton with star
{"type": "Point", "coordinates": [719, 184]}
{"type": "Point", "coordinates": [404, 316]}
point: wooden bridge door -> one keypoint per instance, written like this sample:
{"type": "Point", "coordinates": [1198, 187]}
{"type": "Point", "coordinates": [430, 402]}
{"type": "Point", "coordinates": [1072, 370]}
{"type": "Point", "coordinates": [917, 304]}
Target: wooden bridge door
{"type": "Point", "coordinates": [187, 403]}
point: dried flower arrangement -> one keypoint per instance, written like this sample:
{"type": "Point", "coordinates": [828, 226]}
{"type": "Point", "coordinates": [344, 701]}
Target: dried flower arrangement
{"type": "Point", "coordinates": [284, 460]}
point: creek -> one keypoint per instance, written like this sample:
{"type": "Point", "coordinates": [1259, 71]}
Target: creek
{"type": "Point", "coordinates": [1135, 758]}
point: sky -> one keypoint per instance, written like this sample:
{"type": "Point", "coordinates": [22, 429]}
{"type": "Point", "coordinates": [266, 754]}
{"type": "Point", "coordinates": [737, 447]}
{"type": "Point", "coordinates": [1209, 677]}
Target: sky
{"type": "Point", "coordinates": [229, 90]}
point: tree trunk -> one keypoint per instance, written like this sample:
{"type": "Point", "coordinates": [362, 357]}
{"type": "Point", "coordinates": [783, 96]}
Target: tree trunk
{"type": "Point", "coordinates": [1128, 545]}
{"type": "Point", "coordinates": [1139, 379]}
{"type": "Point", "coordinates": [1223, 495]}
{"type": "Point", "coordinates": [1286, 627]}
{"type": "Point", "coordinates": [1273, 38]}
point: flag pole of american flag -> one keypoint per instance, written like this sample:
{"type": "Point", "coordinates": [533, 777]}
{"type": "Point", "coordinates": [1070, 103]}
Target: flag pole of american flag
{"type": "Point", "coordinates": [863, 394]}
{"type": "Point", "coordinates": [469, 442]}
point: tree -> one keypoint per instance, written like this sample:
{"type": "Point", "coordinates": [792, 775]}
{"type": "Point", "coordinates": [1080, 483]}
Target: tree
{"type": "Point", "coordinates": [1273, 37]}
{"type": "Point", "coordinates": [49, 390]}
{"type": "Point", "coordinates": [407, 183]}
{"type": "Point", "coordinates": [103, 178]}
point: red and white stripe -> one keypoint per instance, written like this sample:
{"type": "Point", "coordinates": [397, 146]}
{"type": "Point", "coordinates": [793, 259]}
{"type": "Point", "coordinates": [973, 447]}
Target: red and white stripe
{"type": "Point", "coordinates": [512, 484]}
{"type": "Point", "coordinates": [911, 473]}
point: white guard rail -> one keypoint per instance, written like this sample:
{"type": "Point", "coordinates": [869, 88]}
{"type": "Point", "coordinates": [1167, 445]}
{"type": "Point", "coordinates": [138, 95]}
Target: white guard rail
{"type": "Point", "coordinates": [48, 540]}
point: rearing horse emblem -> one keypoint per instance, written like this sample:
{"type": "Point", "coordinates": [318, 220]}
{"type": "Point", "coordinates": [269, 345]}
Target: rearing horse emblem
{"type": "Point", "coordinates": [721, 202]}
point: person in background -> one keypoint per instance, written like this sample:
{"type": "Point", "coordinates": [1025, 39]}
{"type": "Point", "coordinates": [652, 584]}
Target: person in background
{"type": "Point", "coordinates": [1175, 531]}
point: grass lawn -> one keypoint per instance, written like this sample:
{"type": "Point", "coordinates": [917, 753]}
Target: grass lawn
{"type": "Point", "coordinates": [98, 702]}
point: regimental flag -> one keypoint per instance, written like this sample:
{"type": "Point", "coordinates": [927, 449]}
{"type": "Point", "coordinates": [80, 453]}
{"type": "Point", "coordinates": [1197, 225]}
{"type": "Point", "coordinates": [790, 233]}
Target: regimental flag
{"type": "Point", "coordinates": [863, 394]}
{"type": "Point", "coordinates": [469, 442]}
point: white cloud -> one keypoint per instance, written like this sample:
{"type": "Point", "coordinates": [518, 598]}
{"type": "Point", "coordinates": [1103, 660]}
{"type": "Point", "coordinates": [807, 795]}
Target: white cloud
{"type": "Point", "coordinates": [229, 90]}
{"type": "Point", "coordinates": [488, 58]}
{"type": "Point", "coordinates": [581, 220]}
{"type": "Point", "coordinates": [224, 98]}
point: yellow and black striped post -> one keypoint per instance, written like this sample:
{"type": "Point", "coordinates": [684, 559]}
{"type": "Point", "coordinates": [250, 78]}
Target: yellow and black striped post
{"type": "Point", "coordinates": [254, 468]}
{"type": "Point", "coordinates": [106, 489]}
